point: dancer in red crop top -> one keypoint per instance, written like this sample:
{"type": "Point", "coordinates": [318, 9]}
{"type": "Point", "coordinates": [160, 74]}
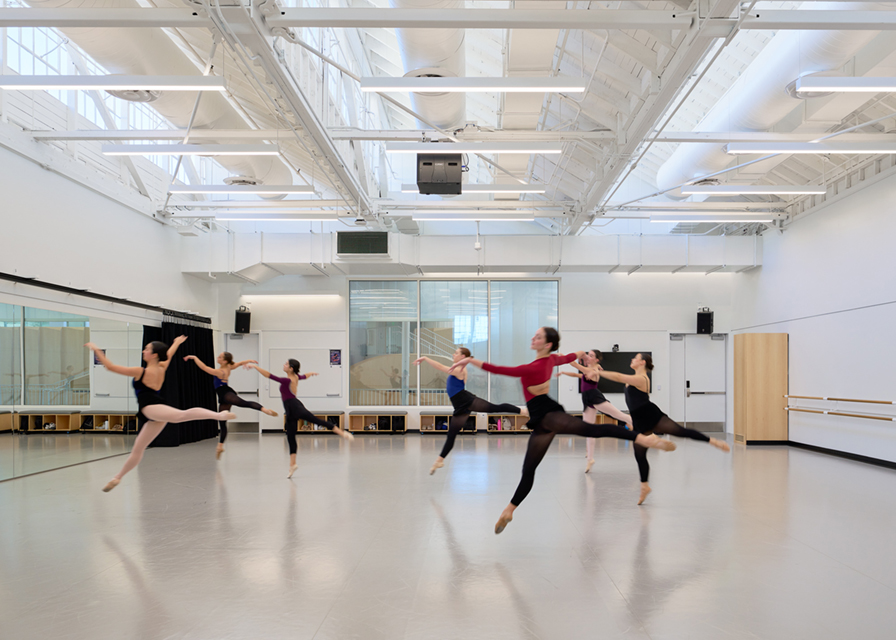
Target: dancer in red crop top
{"type": "Point", "coordinates": [547, 417]}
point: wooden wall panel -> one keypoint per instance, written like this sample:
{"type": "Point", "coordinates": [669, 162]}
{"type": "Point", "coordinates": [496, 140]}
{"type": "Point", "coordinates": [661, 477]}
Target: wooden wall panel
{"type": "Point", "coordinates": [760, 384]}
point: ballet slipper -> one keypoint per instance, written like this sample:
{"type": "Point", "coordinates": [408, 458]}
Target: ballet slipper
{"type": "Point", "coordinates": [269, 412]}
{"type": "Point", "coordinates": [655, 442]}
{"type": "Point", "coordinates": [219, 451]}
{"type": "Point", "coordinates": [503, 521]}
{"type": "Point", "coordinates": [720, 444]}
{"type": "Point", "coordinates": [645, 491]}
{"type": "Point", "coordinates": [292, 470]}
{"type": "Point", "coordinates": [589, 465]}
{"type": "Point", "coordinates": [346, 434]}
{"type": "Point", "coordinates": [438, 464]}
{"type": "Point", "coordinates": [111, 485]}
{"type": "Point", "coordinates": [524, 412]}
{"type": "Point", "coordinates": [228, 415]}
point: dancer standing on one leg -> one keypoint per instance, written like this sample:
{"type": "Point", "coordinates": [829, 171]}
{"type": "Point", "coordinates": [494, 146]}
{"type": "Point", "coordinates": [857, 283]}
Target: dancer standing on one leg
{"type": "Point", "coordinates": [293, 408]}
{"type": "Point", "coordinates": [227, 397]}
{"type": "Point", "coordinates": [153, 414]}
{"type": "Point", "coordinates": [593, 401]}
{"type": "Point", "coordinates": [648, 418]}
{"type": "Point", "coordinates": [546, 416]}
{"type": "Point", "coordinates": [463, 401]}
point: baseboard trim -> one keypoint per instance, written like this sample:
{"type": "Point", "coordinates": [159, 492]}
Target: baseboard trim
{"type": "Point", "coordinates": [877, 462]}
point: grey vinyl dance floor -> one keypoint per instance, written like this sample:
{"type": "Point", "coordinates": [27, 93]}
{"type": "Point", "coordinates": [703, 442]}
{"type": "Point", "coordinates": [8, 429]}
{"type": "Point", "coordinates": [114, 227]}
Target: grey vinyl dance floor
{"type": "Point", "coordinates": [362, 543]}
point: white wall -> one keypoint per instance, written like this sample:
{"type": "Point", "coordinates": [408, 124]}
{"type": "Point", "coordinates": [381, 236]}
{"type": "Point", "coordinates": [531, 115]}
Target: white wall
{"type": "Point", "coordinates": [828, 281]}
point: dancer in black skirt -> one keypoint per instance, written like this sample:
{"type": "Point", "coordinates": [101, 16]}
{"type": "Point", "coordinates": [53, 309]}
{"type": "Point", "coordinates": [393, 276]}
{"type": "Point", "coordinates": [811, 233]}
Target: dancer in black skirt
{"type": "Point", "coordinates": [153, 414]}
{"type": "Point", "coordinates": [294, 409]}
{"type": "Point", "coordinates": [546, 416]}
{"type": "Point", "coordinates": [647, 418]}
{"type": "Point", "coordinates": [227, 397]}
{"type": "Point", "coordinates": [463, 401]}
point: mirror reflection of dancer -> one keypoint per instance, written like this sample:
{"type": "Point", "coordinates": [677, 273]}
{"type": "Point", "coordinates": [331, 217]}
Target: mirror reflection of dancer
{"type": "Point", "coordinates": [547, 417]}
{"type": "Point", "coordinates": [294, 409]}
{"type": "Point", "coordinates": [648, 418]}
{"type": "Point", "coordinates": [593, 400]}
{"type": "Point", "coordinates": [153, 414]}
{"type": "Point", "coordinates": [463, 401]}
{"type": "Point", "coordinates": [227, 397]}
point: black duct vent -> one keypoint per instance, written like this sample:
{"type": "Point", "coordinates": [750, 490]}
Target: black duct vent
{"type": "Point", "coordinates": [362, 242]}
{"type": "Point", "coordinates": [439, 173]}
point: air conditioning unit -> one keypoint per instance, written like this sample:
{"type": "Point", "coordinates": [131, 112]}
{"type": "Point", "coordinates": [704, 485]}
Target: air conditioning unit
{"type": "Point", "coordinates": [362, 243]}
{"type": "Point", "coordinates": [439, 173]}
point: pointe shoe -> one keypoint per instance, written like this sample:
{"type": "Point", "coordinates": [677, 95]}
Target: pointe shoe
{"type": "Point", "coordinates": [111, 485]}
{"type": "Point", "coordinates": [645, 491]}
{"type": "Point", "coordinates": [438, 464]}
{"type": "Point", "coordinates": [661, 443]}
{"type": "Point", "coordinates": [502, 523]}
{"type": "Point", "coordinates": [269, 412]}
{"type": "Point", "coordinates": [720, 444]}
{"type": "Point", "coordinates": [228, 415]}
{"type": "Point", "coordinates": [346, 434]}
{"type": "Point", "coordinates": [292, 470]}
{"type": "Point", "coordinates": [219, 451]}
{"type": "Point", "coordinates": [589, 465]}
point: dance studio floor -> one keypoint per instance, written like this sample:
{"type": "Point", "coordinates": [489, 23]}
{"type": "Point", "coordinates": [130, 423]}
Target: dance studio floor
{"type": "Point", "coordinates": [362, 543]}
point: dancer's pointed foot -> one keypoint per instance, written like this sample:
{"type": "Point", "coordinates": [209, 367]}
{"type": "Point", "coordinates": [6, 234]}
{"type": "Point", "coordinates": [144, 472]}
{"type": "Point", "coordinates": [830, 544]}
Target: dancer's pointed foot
{"type": "Point", "coordinates": [219, 451]}
{"type": "Point", "coordinates": [524, 411]}
{"type": "Point", "coordinates": [503, 521]}
{"type": "Point", "coordinates": [720, 444]}
{"type": "Point", "coordinates": [111, 485]}
{"type": "Point", "coordinates": [438, 464]}
{"type": "Point", "coordinates": [344, 433]}
{"type": "Point", "coordinates": [228, 415]}
{"type": "Point", "coordinates": [589, 465]}
{"type": "Point", "coordinates": [655, 442]}
{"type": "Point", "coordinates": [269, 412]}
{"type": "Point", "coordinates": [645, 490]}
{"type": "Point", "coordinates": [292, 470]}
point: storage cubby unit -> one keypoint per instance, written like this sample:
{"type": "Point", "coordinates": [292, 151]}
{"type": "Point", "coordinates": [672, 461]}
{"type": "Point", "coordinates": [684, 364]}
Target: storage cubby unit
{"type": "Point", "coordinates": [437, 422]}
{"type": "Point", "coordinates": [117, 422]}
{"type": "Point", "coordinates": [7, 420]}
{"type": "Point", "coordinates": [377, 422]}
{"type": "Point", "coordinates": [510, 423]}
{"type": "Point", "coordinates": [336, 417]}
{"type": "Point", "coordinates": [64, 422]}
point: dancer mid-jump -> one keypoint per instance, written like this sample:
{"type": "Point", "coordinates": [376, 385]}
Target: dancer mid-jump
{"type": "Point", "coordinates": [463, 401]}
{"type": "Point", "coordinates": [593, 400]}
{"type": "Point", "coordinates": [153, 414]}
{"type": "Point", "coordinates": [227, 397]}
{"type": "Point", "coordinates": [293, 408]}
{"type": "Point", "coordinates": [648, 418]}
{"type": "Point", "coordinates": [547, 417]}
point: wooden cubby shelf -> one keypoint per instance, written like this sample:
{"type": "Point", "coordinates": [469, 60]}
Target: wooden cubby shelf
{"type": "Point", "coordinates": [7, 420]}
{"type": "Point", "coordinates": [385, 422]}
{"type": "Point", "coordinates": [32, 422]}
{"type": "Point", "coordinates": [336, 417]}
{"type": "Point", "coordinates": [437, 422]}
{"type": "Point", "coordinates": [118, 422]}
{"type": "Point", "coordinates": [509, 423]}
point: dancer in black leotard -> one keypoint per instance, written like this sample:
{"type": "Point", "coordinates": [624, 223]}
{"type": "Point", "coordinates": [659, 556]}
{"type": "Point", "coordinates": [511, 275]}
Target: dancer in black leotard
{"type": "Point", "coordinates": [648, 418]}
{"type": "Point", "coordinates": [153, 413]}
{"type": "Point", "coordinates": [227, 397]}
{"type": "Point", "coordinates": [294, 409]}
{"type": "Point", "coordinates": [463, 401]}
{"type": "Point", "coordinates": [546, 416]}
{"type": "Point", "coordinates": [593, 401]}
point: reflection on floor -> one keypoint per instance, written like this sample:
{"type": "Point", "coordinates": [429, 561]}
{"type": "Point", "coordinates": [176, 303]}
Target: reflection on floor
{"type": "Point", "coordinates": [21, 454]}
{"type": "Point", "coordinates": [362, 543]}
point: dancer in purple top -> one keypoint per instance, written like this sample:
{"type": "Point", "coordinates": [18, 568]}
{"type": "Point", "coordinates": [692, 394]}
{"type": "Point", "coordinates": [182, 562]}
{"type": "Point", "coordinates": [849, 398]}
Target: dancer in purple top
{"type": "Point", "coordinates": [293, 408]}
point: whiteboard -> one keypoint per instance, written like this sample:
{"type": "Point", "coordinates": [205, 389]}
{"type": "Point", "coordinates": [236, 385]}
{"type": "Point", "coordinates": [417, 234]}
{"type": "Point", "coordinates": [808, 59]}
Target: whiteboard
{"type": "Point", "coordinates": [326, 385]}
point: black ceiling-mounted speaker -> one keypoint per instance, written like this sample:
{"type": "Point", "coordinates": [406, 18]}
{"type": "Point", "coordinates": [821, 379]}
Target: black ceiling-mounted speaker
{"type": "Point", "coordinates": [243, 316]}
{"type": "Point", "coordinates": [704, 322]}
{"type": "Point", "coordinates": [439, 173]}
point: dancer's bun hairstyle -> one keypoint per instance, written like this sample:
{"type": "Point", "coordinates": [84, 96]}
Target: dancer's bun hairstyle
{"type": "Point", "coordinates": [553, 336]}
{"type": "Point", "coordinates": [295, 365]}
{"type": "Point", "coordinates": [160, 349]}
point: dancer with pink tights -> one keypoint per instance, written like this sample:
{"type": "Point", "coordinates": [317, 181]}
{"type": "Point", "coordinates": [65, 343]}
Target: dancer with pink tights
{"type": "Point", "coordinates": [153, 413]}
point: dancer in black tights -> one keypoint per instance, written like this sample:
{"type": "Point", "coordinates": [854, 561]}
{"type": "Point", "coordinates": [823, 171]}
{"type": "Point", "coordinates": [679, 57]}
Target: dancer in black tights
{"type": "Point", "coordinates": [294, 409]}
{"type": "Point", "coordinates": [546, 416]}
{"type": "Point", "coordinates": [227, 397]}
{"type": "Point", "coordinates": [647, 418]}
{"type": "Point", "coordinates": [463, 401]}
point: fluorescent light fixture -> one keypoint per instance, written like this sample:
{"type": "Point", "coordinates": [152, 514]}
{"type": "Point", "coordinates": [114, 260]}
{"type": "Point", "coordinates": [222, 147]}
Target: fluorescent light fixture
{"type": "Point", "coordinates": [260, 204]}
{"type": "Point", "coordinates": [113, 83]}
{"type": "Point", "coordinates": [191, 150]}
{"type": "Point", "coordinates": [475, 147]}
{"type": "Point", "coordinates": [254, 189]}
{"type": "Point", "coordinates": [678, 217]}
{"type": "Point", "coordinates": [822, 148]}
{"type": "Point", "coordinates": [281, 217]}
{"type": "Point", "coordinates": [251, 213]}
{"type": "Point", "coordinates": [753, 189]}
{"type": "Point", "coordinates": [845, 85]}
{"type": "Point", "coordinates": [487, 188]}
{"type": "Point", "coordinates": [470, 85]}
{"type": "Point", "coordinates": [474, 217]}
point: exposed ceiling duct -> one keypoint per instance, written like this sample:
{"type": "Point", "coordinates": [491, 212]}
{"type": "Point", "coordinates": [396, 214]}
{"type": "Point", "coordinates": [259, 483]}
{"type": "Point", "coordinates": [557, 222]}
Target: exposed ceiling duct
{"type": "Point", "coordinates": [758, 100]}
{"type": "Point", "coordinates": [151, 51]}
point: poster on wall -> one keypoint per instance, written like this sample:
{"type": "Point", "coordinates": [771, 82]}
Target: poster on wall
{"type": "Point", "coordinates": [335, 357]}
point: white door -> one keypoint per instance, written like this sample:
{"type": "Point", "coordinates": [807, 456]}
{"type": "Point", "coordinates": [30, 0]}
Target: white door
{"type": "Point", "coordinates": [704, 381]}
{"type": "Point", "coordinates": [244, 346]}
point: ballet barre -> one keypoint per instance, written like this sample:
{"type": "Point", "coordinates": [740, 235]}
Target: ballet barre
{"type": "Point", "coordinates": [842, 413]}
{"type": "Point", "coordinates": [842, 400]}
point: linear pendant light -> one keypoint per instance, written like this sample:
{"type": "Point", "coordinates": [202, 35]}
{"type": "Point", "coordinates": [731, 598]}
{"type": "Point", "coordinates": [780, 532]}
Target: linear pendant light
{"type": "Point", "coordinates": [475, 147]}
{"type": "Point", "coordinates": [277, 218]}
{"type": "Point", "coordinates": [819, 148]}
{"type": "Point", "coordinates": [752, 189]}
{"type": "Point", "coordinates": [512, 216]}
{"type": "Point", "coordinates": [112, 83]}
{"type": "Point", "coordinates": [811, 84]}
{"type": "Point", "coordinates": [240, 214]}
{"type": "Point", "coordinates": [253, 189]}
{"type": "Point", "coordinates": [191, 150]}
{"type": "Point", "coordinates": [470, 85]}
{"type": "Point", "coordinates": [678, 217]}
{"type": "Point", "coordinates": [487, 188]}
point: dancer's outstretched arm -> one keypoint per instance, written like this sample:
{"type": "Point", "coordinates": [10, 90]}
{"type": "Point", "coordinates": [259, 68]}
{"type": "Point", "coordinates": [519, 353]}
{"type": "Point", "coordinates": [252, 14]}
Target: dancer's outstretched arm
{"type": "Point", "coordinates": [243, 363]}
{"type": "Point", "coordinates": [199, 363]}
{"type": "Point", "coordinates": [179, 340]}
{"type": "Point", "coordinates": [111, 366]}
{"type": "Point", "coordinates": [570, 374]}
{"type": "Point", "coordinates": [433, 363]}
{"type": "Point", "coordinates": [266, 374]}
{"type": "Point", "coordinates": [639, 382]}
{"type": "Point", "coordinates": [462, 362]}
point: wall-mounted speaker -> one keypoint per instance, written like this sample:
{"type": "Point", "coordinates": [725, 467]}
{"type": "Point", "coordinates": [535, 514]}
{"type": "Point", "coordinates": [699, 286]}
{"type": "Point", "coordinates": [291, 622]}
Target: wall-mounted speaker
{"type": "Point", "coordinates": [243, 316]}
{"type": "Point", "coordinates": [704, 322]}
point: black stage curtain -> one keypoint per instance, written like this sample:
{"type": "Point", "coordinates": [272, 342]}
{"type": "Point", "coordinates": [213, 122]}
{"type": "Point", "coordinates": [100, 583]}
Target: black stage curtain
{"type": "Point", "coordinates": [186, 385]}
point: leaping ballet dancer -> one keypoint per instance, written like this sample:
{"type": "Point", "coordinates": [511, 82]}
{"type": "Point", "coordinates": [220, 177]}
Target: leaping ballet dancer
{"type": "Point", "coordinates": [293, 408]}
{"type": "Point", "coordinates": [227, 397]}
{"type": "Point", "coordinates": [547, 417]}
{"type": "Point", "coordinates": [593, 400]}
{"type": "Point", "coordinates": [463, 401]}
{"type": "Point", "coordinates": [153, 414]}
{"type": "Point", "coordinates": [648, 418]}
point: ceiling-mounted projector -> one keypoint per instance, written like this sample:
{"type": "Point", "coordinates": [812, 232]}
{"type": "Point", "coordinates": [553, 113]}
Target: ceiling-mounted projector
{"type": "Point", "coordinates": [439, 173]}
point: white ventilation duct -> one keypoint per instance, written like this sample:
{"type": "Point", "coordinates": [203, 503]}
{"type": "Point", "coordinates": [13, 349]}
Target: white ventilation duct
{"type": "Point", "coordinates": [434, 52]}
{"type": "Point", "coordinates": [758, 99]}
{"type": "Point", "coordinates": [151, 52]}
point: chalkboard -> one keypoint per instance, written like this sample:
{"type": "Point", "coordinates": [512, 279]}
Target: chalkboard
{"type": "Point", "coordinates": [620, 362]}
{"type": "Point", "coordinates": [326, 385]}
